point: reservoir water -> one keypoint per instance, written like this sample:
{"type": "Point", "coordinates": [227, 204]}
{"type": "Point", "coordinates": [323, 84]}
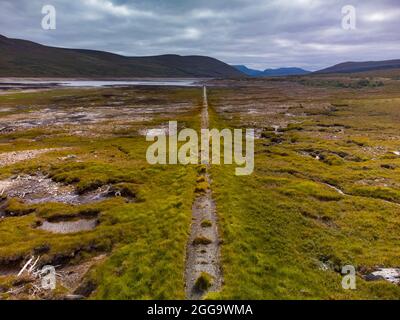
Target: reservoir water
{"type": "Point", "coordinates": [10, 83]}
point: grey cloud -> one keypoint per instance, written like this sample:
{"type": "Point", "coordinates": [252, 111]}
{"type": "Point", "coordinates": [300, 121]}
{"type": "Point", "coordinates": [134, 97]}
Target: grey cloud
{"type": "Point", "coordinates": [259, 33]}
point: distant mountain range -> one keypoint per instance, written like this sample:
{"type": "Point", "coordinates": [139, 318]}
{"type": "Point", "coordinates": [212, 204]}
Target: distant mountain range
{"type": "Point", "coordinates": [271, 72]}
{"type": "Point", "coordinates": [351, 67]}
{"type": "Point", "coordinates": [346, 67]}
{"type": "Point", "coordinates": [21, 58]}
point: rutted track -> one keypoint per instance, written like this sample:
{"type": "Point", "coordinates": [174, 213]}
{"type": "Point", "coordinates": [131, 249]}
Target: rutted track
{"type": "Point", "coordinates": [203, 257]}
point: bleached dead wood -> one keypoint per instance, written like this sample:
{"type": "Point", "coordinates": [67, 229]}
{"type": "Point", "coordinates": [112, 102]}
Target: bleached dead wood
{"type": "Point", "coordinates": [33, 265]}
{"type": "Point", "coordinates": [35, 275]}
{"type": "Point", "coordinates": [25, 266]}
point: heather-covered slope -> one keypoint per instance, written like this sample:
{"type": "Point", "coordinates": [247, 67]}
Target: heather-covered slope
{"type": "Point", "coordinates": [20, 58]}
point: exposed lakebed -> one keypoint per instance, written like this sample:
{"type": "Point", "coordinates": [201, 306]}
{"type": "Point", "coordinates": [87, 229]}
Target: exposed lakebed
{"type": "Point", "coordinates": [35, 189]}
{"type": "Point", "coordinates": [8, 84]}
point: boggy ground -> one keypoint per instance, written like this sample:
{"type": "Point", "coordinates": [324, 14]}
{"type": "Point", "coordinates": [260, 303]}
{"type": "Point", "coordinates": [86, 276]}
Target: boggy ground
{"type": "Point", "coordinates": [135, 216]}
{"type": "Point", "coordinates": [324, 193]}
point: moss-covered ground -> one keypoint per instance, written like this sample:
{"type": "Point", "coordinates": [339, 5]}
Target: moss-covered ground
{"type": "Point", "coordinates": [325, 191]}
{"type": "Point", "coordinates": [290, 227]}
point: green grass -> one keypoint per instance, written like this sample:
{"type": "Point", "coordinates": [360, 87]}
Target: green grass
{"type": "Point", "coordinates": [280, 227]}
{"type": "Point", "coordinates": [282, 223]}
{"type": "Point", "coordinates": [144, 238]}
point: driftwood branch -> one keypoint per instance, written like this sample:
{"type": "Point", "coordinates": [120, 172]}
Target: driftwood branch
{"type": "Point", "coordinates": [25, 266]}
{"type": "Point", "coordinates": [32, 270]}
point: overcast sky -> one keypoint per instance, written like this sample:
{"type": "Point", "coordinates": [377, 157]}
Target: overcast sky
{"type": "Point", "coordinates": [258, 33]}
